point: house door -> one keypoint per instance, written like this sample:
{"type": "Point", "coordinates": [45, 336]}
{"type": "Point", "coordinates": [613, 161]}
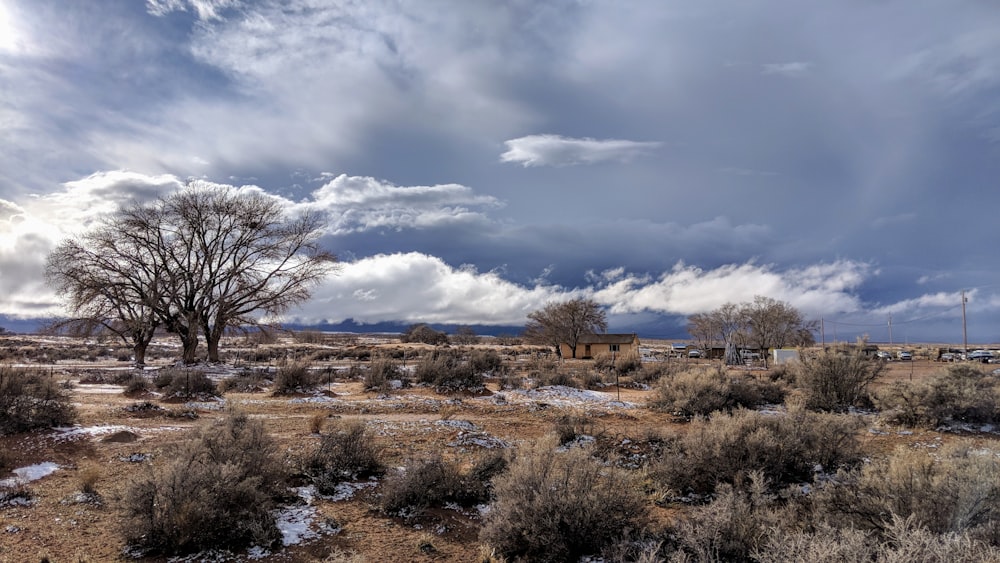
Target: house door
{"type": "Point", "coordinates": [586, 350]}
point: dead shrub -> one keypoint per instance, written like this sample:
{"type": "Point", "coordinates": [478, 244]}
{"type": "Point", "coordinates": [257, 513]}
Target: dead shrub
{"type": "Point", "coordinates": [556, 377]}
{"type": "Point", "coordinates": [951, 491]}
{"type": "Point", "coordinates": [295, 377]}
{"type": "Point", "coordinates": [707, 390]}
{"type": "Point", "coordinates": [961, 393]}
{"type": "Point", "coordinates": [30, 399]}
{"type": "Point", "coordinates": [216, 491]}
{"type": "Point", "coordinates": [836, 380]}
{"type": "Point", "coordinates": [486, 362]}
{"type": "Point", "coordinates": [559, 506]}
{"type": "Point", "coordinates": [345, 453]}
{"type": "Point", "coordinates": [249, 381]}
{"type": "Point", "coordinates": [316, 423]}
{"type": "Point", "coordinates": [88, 477]}
{"type": "Point", "coordinates": [571, 426]}
{"type": "Point", "coordinates": [447, 372]}
{"type": "Point", "coordinates": [728, 448]}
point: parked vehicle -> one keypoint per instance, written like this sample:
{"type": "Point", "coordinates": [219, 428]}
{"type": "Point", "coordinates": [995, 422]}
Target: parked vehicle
{"type": "Point", "coordinates": [948, 357]}
{"type": "Point", "coordinates": [694, 353]}
{"type": "Point", "coordinates": [883, 355]}
{"type": "Point", "coordinates": [983, 356]}
{"type": "Point", "coordinates": [904, 355]}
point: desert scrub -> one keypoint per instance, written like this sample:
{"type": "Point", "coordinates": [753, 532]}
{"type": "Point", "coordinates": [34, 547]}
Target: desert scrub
{"type": "Point", "coordinates": [345, 453]}
{"type": "Point", "coordinates": [380, 375]}
{"type": "Point", "coordinates": [31, 399]}
{"type": "Point", "coordinates": [707, 390]}
{"type": "Point", "coordinates": [961, 393]}
{"type": "Point", "coordinates": [559, 506]}
{"type": "Point", "coordinates": [184, 383]}
{"type": "Point", "coordinates": [136, 385]}
{"type": "Point", "coordinates": [836, 380]}
{"type": "Point", "coordinates": [433, 481]}
{"type": "Point", "coordinates": [447, 372]}
{"type": "Point", "coordinates": [953, 490]}
{"type": "Point", "coordinates": [216, 490]}
{"type": "Point", "coordinates": [294, 377]}
{"type": "Point", "coordinates": [783, 448]}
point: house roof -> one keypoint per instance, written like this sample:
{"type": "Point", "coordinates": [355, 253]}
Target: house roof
{"type": "Point", "coordinates": [607, 338]}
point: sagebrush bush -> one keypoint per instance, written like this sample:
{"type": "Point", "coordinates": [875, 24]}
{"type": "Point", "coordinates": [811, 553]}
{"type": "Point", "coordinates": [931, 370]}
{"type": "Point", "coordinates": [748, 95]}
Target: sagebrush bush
{"type": "Point", "coordinates": [702, 391]}
{"type": "Point", "coordinates": [836, 380]}
{"type": "Point", "coordinates": [962, 393]}
{"type": "Point", "coordinates": [295, 377]}
{"type": "Point", "coordinates": [486, 362]}
{"type": "Point", "coordinates": [905, 542]}
{"type": "Point", "coordinates": [950, 491]}
{"type": "Point", "coordinates": [783, 448]}
{"type": "Point", "coordinates": [185, 383]}
{"type": "Point", "coordinates": [446, 370]}
{"type": "Point", "coordinates": [31, 399]}
{"type": "Point", "coordinates": [432, 481]}
{"type": "Point", "coordinates": [137, 384]}
{"type": "Point", "coordinates": [216, 490]}
{"type": "Point", "coordinates": [559, 506]}
{"type": "Point", "coordinates": [380, 373]}
{"type": "Point", "coordinates": [346, 452]}
{"type": "Point", "coordinates": [249, 381]}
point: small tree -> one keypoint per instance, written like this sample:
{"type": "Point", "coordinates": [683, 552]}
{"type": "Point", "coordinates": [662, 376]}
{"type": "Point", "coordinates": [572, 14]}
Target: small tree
{"type": "Point", "coordinates": [835, 381]}
{"type": "Point", "coordinates": [465, 335]}
{"type": "Point", "coordinates": [423, 333]}
{"type": "Point", "coordinates": [565, 323]}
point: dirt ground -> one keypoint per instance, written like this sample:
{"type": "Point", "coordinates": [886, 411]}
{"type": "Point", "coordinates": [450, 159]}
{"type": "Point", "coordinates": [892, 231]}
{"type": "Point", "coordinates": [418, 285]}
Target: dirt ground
{"type": "Point", "coordinates": [63, 525]}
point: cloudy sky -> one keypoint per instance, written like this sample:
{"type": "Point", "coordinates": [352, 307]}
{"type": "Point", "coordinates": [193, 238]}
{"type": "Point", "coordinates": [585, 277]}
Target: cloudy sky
{"type": "Point", "coordinates": [480, 159]}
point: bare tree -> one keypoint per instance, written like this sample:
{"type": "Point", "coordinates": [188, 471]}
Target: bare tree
{"type": "Point", "coordinates": [705, 330]}
{"type": "Point", "coordinates": [565, 323]}
{"type": "Point", "coordinates": [196, 261]}
{"type": "Point", "coordinates": [772, 323]}
{"type": "Point", "coordinates": [465, 335]}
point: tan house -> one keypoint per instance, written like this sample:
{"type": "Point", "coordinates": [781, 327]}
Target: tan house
{"type": "Point", "coordinates": [593, 345]}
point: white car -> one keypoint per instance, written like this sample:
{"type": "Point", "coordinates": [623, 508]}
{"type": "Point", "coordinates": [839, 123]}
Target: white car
{"type": "Point", "coordinates": [981, 356]}
{"type": "Point", "coordinates": [694, 353]}
{"type": "Point", "coordinates": [903, 355]}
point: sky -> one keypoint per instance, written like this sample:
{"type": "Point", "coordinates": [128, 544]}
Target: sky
{"type": "Point", "coordinates": [478, 160]}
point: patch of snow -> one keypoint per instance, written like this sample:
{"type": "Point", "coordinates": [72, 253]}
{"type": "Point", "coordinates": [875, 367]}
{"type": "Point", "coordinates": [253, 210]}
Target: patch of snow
{"type": "Point", "coordinates": [479, 439]}
{"type": "Point", "coordinates": [99, 389]}
{"type": "Point", "coordinates": [460, 424]}
{"type": "Point", "coordinates": [74, 432]}
{"type": "Point", "coordinates": [345, 491]}
{"type": "Point", "coordinates": [294, 524]}
{"type": "Point", "coordinates": [30, 473]}
{"type": "Point", "coordinates": [567, 396]}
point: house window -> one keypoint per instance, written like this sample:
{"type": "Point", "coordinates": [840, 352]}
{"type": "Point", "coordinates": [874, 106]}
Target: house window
{"type": "Point", "coordinates": [613, 347]}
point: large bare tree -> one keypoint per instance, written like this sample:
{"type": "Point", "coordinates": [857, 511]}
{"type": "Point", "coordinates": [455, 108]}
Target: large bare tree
{"type": "Point", "coordinates": [763, 323]}
{"type": "Point", "coordinates": [565, 323]}
{"type": "Point", "coordinates": [202, 260]}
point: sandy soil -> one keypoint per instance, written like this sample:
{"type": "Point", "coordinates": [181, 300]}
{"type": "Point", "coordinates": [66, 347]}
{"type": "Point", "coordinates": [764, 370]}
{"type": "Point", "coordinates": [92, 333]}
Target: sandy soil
{"type": "Point", "coordinates": [62, 525]}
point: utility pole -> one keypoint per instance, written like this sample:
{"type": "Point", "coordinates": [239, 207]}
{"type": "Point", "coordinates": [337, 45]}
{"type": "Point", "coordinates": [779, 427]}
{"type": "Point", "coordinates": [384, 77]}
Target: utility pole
{"type": "Point", "coordinates": [890, 329]}
{"type": "Point", "coordinates": [822, 332]}
{"type": "Point", "coordinates": [965, 334]}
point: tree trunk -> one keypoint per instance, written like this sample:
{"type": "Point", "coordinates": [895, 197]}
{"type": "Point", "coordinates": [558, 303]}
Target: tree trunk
{"type": "Point", "coordinates": [139, 351]}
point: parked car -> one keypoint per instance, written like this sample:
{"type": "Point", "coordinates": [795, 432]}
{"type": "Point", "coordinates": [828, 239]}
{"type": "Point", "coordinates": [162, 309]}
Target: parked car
{"type": "Point", "coordinates": [694, 353]}
{"type": "Point", "coordinates": [981, 356]}
{"type": "Point", "coordinates": [903, 355]}
{"type": "Point", "coordinates": [948, 357]}
{"type": "Point", "coordinates": [883, 355]}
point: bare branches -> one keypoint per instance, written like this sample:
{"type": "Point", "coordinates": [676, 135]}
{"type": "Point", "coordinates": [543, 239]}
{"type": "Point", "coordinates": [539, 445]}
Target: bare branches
{"type": "Point", "coordinates": [565, 323]}
{"type": "Point", "coordinates": [197, 261]}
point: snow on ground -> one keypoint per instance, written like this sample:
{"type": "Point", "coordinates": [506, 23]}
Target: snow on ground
{"type": "Point", "coordinates": [74, 432]}
{"type": "Point", "coordinates": [560, 395]}
{"type": "Point", "coordinates": [30, 473]}
{"type": "Point", "coordinates": [99, 389]}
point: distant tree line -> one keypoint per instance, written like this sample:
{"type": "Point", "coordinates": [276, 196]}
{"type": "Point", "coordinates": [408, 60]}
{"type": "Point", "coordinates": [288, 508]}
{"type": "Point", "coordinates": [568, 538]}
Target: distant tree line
{"type": "Point", "coordinates": [195, 262]}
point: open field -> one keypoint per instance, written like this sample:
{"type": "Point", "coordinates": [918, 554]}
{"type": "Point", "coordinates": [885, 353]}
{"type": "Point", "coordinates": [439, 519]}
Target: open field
{"type": "Point", "coordinates": [117, 438]}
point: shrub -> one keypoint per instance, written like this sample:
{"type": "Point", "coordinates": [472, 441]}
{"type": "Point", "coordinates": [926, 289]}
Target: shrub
{"type": "Point", "coordinates": [568, 427]}
{"type": "Point", "coordinates": [707, 390]}
{"type": "Point", "coordinates": [249, 381]}
{"type": "Point", "coordinates": [962, 393]}
{"type": "Point", "coordinates": [950, 491]}
{"type": "Point", "coordinates": [784, 449]}
{"type": "Point", "coordinates": [486, 362]}
{"type": "Point", "coordinates": [216, 490]}
{"type": "Point", "coordinates": [136, 385]}
{"type": "Point", "coordinates": [346, 452]}
{"type": "Point", "coordinates": [294, 377]}
{"type": "Point", "coordinates": [559, 506]}
{"type": "Point", "coordinates": [380, 374]}
{"type": "Point", "coordinates": [835, 381]}
{"type": "Point", "coordinates": [425, 334]}
{"type": "Point", "coordinates": [29, 399]}
{"type": "Point", "coordinates": [424, 483]}
{"type": "Point", "coordinates": [732, 527]}
{"type": "Point", "coordinates": [905, 542]}
{"type": "Point", "coordinates": [88, 477]}
{"type": "Point", "coordinates": [447, 372]}
{"type": "Point", "coordinates": [185, 383]}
